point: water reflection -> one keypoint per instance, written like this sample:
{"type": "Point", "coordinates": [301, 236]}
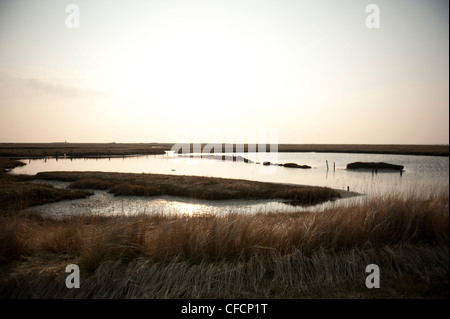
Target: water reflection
{"type": "Point", "coordinates": [425, 171]}
{"type": "Point", "coordinates": [422, 175]}
{"type": "Point", "coordinates": [105, 204]}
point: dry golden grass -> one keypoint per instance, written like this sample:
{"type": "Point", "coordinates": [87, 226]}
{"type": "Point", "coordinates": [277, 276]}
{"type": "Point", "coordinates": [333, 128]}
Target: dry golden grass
{"type": "Point", "coordinates": [126, 184]}
{"type": "Point", "coordinates": [17, 192]}
{"type": "Point", "coordinates": [290, 255]}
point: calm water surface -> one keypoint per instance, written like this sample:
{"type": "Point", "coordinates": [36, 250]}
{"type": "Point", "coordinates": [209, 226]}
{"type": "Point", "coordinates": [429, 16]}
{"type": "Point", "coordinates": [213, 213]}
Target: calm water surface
{"type": "Point", "coordinates": [422, 175]}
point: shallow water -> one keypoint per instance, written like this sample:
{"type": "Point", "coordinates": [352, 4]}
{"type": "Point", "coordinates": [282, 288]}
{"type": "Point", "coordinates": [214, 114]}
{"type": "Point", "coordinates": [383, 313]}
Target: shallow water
{"type": "Point", "coordinates": [104, 203]}
{"type": "Point", "coordinates": [422, 176]}
{"type": "Point", "coordinates": [424, 172]}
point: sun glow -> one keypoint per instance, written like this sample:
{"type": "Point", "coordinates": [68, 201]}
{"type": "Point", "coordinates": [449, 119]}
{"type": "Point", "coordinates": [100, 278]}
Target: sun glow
{"type": "Point", "coordinates": [196, 69]}
{"type": "Point", "coordinates": [312, 69]}
{"type": "Point", "coordinates": [188, 209]}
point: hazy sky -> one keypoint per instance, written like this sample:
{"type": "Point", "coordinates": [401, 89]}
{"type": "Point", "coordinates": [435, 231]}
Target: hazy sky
{"type": "Point", "coordinates": [142, 71]}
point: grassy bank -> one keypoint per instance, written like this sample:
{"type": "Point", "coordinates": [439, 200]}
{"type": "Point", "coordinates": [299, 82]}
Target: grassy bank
{"type": "Point", "coordinates": [307, 255]}
{"type": "Point", "coordinates": [18, 192]}
{"type": "Point", "coordinates": [30, 150]}
{"type": "Point", "coordinates": [129, 184]}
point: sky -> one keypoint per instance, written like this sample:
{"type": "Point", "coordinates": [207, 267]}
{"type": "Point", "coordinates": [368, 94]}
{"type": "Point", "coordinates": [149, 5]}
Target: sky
{"type": "Point", "coordinates": [306, 72]}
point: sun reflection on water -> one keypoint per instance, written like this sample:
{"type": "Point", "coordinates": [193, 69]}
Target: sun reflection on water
{"type": "Point", "coordinates": [188, 209]}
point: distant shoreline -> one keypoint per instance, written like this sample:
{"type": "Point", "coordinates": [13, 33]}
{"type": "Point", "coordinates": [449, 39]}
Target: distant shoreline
{"type": "Point", "coordinates": [32, 150]}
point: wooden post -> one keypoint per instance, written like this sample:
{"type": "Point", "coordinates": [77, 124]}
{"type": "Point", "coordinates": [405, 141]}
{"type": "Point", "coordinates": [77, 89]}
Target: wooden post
{"type": "Point", "coordinates": [327, 164]}
{"type": "Point", "coordinates": [334, 166]}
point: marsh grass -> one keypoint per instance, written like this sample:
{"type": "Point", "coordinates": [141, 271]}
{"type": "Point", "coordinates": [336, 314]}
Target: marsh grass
{"type": "Point", "coordinates": [18, 192]}
{"type": "Point", "coordinates": [282, 255]}
{"type": "Point", "coordinates": [263, 255]}
{"type": "Point", "coordinates": [27, 150]}
{"type": "Point", "coordinates": [128, 184]}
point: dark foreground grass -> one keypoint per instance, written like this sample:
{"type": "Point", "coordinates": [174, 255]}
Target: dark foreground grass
{"type": "Point", "coordinates": [292, 255]}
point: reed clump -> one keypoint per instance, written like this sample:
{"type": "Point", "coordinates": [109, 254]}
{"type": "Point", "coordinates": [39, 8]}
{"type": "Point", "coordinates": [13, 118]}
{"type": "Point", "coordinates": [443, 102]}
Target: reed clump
{"type": "Point", "coordinates": [265, 255]}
